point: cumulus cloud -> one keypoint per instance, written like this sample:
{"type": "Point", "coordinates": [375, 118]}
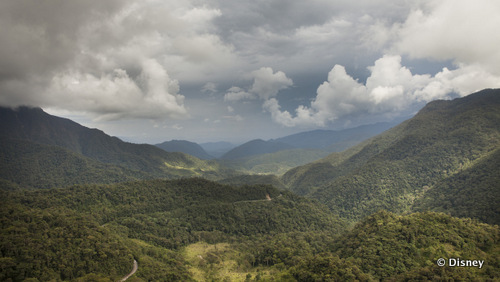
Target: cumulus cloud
{"type": "Point", "coordinates": [266, 84]}
{"type": "Point", "coordinates": [115, 95]}
{"type": "Point", "coordinates": [389, 90]}
{"type": "Point", "coordinates": [235, 94]}
{"type": "Point", "coordinates": [458, 30]}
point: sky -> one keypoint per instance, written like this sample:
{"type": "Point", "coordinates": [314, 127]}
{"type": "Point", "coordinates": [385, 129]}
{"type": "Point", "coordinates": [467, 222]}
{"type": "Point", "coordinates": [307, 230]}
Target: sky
{"type": "Point", "coordinates": [149, 71]}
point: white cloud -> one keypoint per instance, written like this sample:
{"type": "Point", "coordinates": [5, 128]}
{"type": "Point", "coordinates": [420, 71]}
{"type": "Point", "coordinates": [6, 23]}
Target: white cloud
{"type": "Point", "coordinates": [267, 84]}
{"type": "Point", "coordinates": [115, 95]}
{"type": "Point", "coordinates": [235, 94]}
{"type": "Point", "coordinates": [459, 30]}
{"type": "Point", "coordinates": [391, 89]}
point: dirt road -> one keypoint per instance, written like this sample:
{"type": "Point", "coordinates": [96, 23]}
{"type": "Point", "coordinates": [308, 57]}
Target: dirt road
{"type": "Point", "coordinates": [134, 269]}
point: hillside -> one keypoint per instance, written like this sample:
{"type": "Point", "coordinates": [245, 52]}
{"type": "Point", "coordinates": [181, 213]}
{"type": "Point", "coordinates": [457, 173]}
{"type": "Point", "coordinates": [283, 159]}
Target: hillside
{"type": "Point", "coordinates": [276, 163]}
{"type": "Point", "coordinates": [387, 247]}
{"type": "Point", "coordinates": [33, 165]}
{"type": "Point", "coordinates": [185, 147]}
{"type": "Point", "coordinates": [194, 229]}
{"type": "Point", "coordinates": [472, 192]}
{"type": "Point", "coordinates": [217, 149]}
{"type": "Point", "coordinates": [99, 229]}
{"type": "Point", "coordinates": [36, 126]}
{"type": "Point", "coordinates": [393, 169]}
{"type": "Point", "coordinates": [255, 147]}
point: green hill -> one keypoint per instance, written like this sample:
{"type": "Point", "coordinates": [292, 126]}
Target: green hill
{"type": "Point", "coordinates": [29, 164]}
{"type": "Point", "coordinates": [275, 163]}
{"type": "Point", "coordinates": [387, 247]}
{"type": "Point", "coordinates": [185, 147]}
{"type": "Point", "coordinates": [98, 229]}
{"type": "Point", "coordinates": [255, 147]}
{"type": "Point", "coordinates": [393, 169]}
{"type": "Point", "coordinates": [35, 128]}
{"type": "Point", "coordinates": [472, 192]}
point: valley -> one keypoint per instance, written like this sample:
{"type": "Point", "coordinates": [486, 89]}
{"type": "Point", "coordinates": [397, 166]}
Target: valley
{"type": "Point", "coordinates": [379, 202]}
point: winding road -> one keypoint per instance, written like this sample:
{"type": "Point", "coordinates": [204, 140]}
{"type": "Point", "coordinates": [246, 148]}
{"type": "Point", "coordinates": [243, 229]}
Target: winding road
{"type": "Point", "coordinates": [134, 269]}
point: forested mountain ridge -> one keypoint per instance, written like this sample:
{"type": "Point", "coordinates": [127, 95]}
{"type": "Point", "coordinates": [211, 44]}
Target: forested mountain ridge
{"type": "Point", "coordinates": [36, 126]}
{"type": "Point", "coordinates": [185, 147]}
{"type": "Point", "coordinates": [255, 147]}
{"type": "Point", "coordinates": [29, 164]}
{"type": "Point", "coordinates": [334, 140]}
{"type": "Point", "coordinates": [393, 169]}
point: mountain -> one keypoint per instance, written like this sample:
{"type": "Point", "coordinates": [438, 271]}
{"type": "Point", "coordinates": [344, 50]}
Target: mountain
{"type": "Point", "coordinates": [275, 163]}
{"type": "Point", "coordinates": [217, 149]}
{"type": "Point", "coordinates": [29, 164]}
{"type": "Point", "coordinates": [34, 126]}
{"type": "Point", "coordinates": [471, 192]}
{"type": "Point", "coordinates": [276, 156]}
{"type": "Point", "coordinates": [185, 147]}
{"type": "Point", "coordinates": [255, 147]}
{"type": "Point", "coordinates": [393, 169]}
{"type": "Point", "coordinates": [334, 140]}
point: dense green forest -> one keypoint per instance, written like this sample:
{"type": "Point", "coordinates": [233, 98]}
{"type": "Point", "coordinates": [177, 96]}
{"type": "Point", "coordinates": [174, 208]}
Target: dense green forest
{"type": "Point", "coordinates": [197, 229]}
{"type": "Point", "coordinates": [443, 143]}
{"type": "Point", "coordinates": [37, 129]}
{"type": "Point", "coordinates": [78, 205]}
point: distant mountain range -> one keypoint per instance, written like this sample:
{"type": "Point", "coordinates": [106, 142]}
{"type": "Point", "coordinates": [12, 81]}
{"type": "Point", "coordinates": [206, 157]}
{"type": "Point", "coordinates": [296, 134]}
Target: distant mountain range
{"type": "Point", "coordinates": [276, 156]}
{"type": "Point", "coordinates": [334, 140]}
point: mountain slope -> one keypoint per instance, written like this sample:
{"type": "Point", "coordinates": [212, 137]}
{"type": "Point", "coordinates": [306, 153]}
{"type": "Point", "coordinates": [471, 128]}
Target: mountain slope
{"type": "Point", "coordinates": [35, 165]}
{"type": "Point", "coordinates": [34, 125]}
{"type": "Point", "coordinates": [255, 147]}
{"type": "Point", "coordinates": [275, 163]}
{"type": "Point", "coordinates": [391, 170]}
{"type": "Point", "coordinates": [472, 192]}
{"type": "Point", "coordinates": [73, 232]}
{"type": "Point", "coordinates": [217, 149]}
{"type": "Point", "coordinates": [185, 147]}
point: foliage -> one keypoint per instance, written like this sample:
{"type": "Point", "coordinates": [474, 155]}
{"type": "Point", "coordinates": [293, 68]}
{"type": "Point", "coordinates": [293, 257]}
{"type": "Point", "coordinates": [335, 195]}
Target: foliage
{"type": "Point", "coordinates": [56, 243]}
{"type": "Point", "coordinates": [385, 245]}
{"type": "Point", "coordinates": [29, 164]}
{"type": "Point", "coordinates": [275, 163]}
{"type": "Point", "coordinates": [395, 168]}
{"type": "Point", "coordinates": [118, 222]}
{"type": "Point", "coordinates": [36, 129]}
{"type": "Point", "coordinates": [382, 246]}
{"type": "Point", "coordinates": [472, 192]}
